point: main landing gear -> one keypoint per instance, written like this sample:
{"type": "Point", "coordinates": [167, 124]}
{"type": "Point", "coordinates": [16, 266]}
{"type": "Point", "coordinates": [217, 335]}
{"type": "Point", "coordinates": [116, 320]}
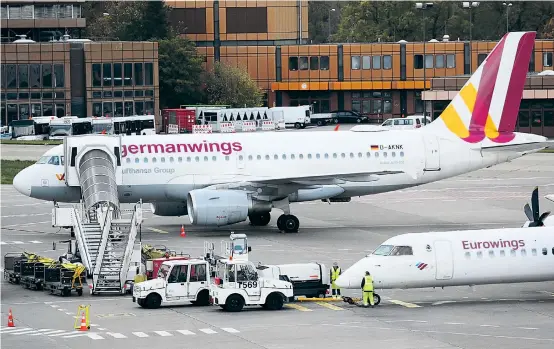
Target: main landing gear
{"type": "Point", "coordinates": [288, 223]}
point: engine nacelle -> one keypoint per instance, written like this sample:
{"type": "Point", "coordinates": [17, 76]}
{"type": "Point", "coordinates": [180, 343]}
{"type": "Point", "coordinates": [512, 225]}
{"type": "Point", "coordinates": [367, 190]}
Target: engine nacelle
{"type": "Point", "coordinates": [169, 209]}
{"type": "Point", "coordinates": [221, 207]}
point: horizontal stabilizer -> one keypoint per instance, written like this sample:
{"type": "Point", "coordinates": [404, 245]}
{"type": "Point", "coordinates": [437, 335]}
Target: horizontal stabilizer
{"type": "Point", "coordinates": [519, 147]}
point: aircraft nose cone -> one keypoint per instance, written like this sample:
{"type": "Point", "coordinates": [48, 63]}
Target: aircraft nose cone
{"type": "Point", "coordinates": [343, 281]}
{"type": "Point", "coordinates": [22, 182]}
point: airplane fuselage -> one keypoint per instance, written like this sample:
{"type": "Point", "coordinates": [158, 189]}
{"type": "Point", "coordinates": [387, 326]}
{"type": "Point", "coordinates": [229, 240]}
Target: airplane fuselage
{"type": "Point", "coordinates": [164, 168]}
{"type": "Point", "coordinates": [459, 258]}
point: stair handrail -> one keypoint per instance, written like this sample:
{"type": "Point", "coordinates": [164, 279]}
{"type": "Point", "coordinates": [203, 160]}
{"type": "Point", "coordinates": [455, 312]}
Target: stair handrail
{"type": "Point", "coordinates": [131, 237]}
{"type": "Point", "coordinates": [105, 229]}
{"type": "Point", "coordinates": [79, 236]}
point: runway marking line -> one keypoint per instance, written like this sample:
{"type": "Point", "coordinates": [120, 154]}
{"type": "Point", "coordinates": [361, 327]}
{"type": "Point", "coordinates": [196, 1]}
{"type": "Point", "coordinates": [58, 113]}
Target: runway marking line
{"type": "Point", "coordinates": [297, 307]}
{"type": "Point", "coordinates": [94, 336]}
{"type": "Point", "coordinates": [140, 334]}
{"type": "Point", "coordinates": [163, 333]}
{"type": "Point", "coordinates": [158, 230]}
{"type": "Point", "coordinates": [186, 332]}
{"type": "Point", "coordinates": [230, 330]}
{"type": "Point", "coordinates": [207, 330]}
{"type": "Point", "coordinates": [329, 306]}
{"type": "Point", "coordinates": [404, 304]}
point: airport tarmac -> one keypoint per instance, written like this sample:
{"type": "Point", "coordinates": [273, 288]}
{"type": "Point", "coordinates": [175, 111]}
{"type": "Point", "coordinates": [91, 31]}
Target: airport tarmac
{"type": "Point", "coordinates": [499, 316]}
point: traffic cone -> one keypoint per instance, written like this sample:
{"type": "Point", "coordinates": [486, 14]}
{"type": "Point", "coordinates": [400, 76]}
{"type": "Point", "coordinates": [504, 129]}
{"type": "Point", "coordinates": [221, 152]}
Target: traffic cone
{"type": "Point", "coordinates": [83, 323]}
{"type": "Point", "coordinates": [10, 319]}
{"type": "Point", "coordinates": [183, 231]}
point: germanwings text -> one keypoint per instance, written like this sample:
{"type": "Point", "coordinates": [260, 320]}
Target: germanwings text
{"type": "Point", "coordinates": [476, 245]}
{"type": "Point", "coordinates": [225, 148]}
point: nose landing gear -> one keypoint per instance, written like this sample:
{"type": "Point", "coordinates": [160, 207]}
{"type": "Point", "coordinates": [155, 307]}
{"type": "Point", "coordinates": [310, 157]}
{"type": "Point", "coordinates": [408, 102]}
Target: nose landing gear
{"type": "Point", "coordinates": [357, 301]}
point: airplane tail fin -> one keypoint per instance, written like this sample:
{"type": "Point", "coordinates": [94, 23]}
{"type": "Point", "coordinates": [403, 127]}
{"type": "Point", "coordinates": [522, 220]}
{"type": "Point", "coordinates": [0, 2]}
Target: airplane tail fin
{"type": "Point", "coordinates": [488, 104]}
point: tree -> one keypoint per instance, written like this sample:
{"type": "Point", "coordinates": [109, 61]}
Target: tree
{"type": "Point", "coordinates": [128, 20]}
{"type": "Point", "coordinates": [232, 86]}
{"type": "Point", "coordinates": [180, 72]}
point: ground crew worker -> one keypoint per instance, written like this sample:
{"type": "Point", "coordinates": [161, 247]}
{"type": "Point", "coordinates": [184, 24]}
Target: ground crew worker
{"type": "Point", "coordinates": [335, 272]}
{"type": "Point", "coordinates": [367, 289]}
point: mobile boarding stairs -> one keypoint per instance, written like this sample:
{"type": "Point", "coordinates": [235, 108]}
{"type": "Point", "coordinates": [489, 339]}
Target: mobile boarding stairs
{"type": "Point", "coordinates": [104, 232]}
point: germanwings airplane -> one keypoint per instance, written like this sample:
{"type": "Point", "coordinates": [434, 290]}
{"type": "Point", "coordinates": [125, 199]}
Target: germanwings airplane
{"type": "Point", "coordinates": [221, 179]}
{"type": "Point", "coordinates": [457, 258]}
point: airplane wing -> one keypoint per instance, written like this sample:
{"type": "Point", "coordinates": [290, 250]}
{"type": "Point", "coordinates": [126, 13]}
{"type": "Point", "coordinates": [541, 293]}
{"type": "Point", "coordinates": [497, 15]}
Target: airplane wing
{"type": "Point", "coordinates": [519, 147]}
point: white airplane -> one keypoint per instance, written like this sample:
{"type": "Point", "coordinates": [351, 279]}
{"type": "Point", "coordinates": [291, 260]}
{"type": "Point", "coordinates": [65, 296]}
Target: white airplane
{"type": "Point", "coordinates": [457, 258]}
{"type": "Point", "coordinates": [221, 179]}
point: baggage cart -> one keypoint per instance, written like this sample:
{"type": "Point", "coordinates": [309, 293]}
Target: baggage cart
{"type": "Point", "coordinates": [12, 267]}
{"type": "Point", "coordinates": [32, 275]}
{"type": "Point", "coordinates": [63, 279]}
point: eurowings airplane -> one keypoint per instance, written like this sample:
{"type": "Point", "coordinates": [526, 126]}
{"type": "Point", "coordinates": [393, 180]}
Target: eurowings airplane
{"type": "Point", "coordinates": [457, 258]}
{"type": "Point", "coordinates": [221, 179]}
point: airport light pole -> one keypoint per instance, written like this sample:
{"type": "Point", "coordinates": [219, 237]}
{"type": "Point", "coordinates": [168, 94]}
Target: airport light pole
{"type": "Point", "coordinates": [329, 20]}
{"type": "Point", "coordinates": [424, 6]}
{"type": "Point", "coordinates": [508, 5]}
{"type": "Point", "coordinates": [470, 6]}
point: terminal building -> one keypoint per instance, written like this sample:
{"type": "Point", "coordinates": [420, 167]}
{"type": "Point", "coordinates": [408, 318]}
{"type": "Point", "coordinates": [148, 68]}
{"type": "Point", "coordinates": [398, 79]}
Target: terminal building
{"type": "Point", "coordinates": [270, 40]}
{"type": "Point", "coordinates": [47, 73]}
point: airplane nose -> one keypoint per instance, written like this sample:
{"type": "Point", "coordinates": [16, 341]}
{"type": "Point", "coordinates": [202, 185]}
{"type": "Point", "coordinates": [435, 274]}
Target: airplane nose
{"type": "Point", "coordinates": [343, 281]}
{"type": "Point", "coordinates": [22, 181]}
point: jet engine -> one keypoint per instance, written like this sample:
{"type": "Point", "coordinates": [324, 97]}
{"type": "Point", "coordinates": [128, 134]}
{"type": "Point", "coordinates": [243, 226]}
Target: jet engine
{"type": "Point", "coordinates": [222, 207]}
{"type": "Point", "coordinates": [169, 209]}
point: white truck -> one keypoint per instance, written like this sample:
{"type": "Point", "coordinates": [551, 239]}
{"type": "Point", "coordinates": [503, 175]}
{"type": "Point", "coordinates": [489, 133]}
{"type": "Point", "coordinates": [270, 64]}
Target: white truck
{"type": "Point", "coordinates": [299, 116]}
{"type": "Point", "coordinates": [308, 279]}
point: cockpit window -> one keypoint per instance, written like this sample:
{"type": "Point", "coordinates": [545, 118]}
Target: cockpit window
{"type": "Point", "coordinates": [402, 251]}
{"type": "Point", "coordinates": [383, 250]}
{"type": "Point", "coordinates": [50, 160]}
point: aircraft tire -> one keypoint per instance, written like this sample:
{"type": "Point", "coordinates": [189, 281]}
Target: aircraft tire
{"type": "Point", "coordinates": [290, 223]}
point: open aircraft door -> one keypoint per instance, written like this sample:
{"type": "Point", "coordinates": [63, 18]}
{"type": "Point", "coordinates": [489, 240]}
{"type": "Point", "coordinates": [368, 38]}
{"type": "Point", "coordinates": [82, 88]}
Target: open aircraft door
{"type": "Point", "coordinates": [444, 263]}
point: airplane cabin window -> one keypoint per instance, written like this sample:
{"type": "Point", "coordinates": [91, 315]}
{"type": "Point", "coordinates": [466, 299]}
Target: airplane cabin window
{"type": "Point", "coordinates": [502, 253]}
{"type": "Point", "coordinates": [376, 155]}
{"type": "Point", "coordinates": [189, 159]}
{"type": "Point", "coordinates": [544, 251]}
{"type": "Point", "coordinates": [401, 251]}
{"type": "Point", "coordinates": [360, 155]}
{"type": "Point", "coordinates": [227, 158]}
{"type": "Point", "coordinates": [468, 255]}
{"type": "Point", "coordinates": [267, 157]}
{"type": "Point", "coordinates": [205, 158]}
{"type": "Point", "coordinates": [552, 250]}
{"type": "Point", "coordinates": [383, 250]}
{"type": "Point", "coordinates": [317, 156]}
{"type": "Point", "coordinates": [162, 159]}
{"type": "Point", "coordinates": [128, 160]}
{"type": "Point", "coordinates": [479, 254]}
{"type": "Point", "coordinates": [401, 154]}
{"type": "Point", "coordinates": [180, 159]}
{"type": "Point", "coordinates": [171, 159]}
{"type": "Point", "coordinates": [393, 154]}
{"type": "Point", "coordinates": [214, 158]}
{"type": "Point", "coordinates": [154, 160]}
{"type": "Point", "coordinates": [241, 157]}
{"type": "Point", "coordinates": [351, 155]}
{"type": "Point", "coordinates": [198, 158]}
{"type": "Point", "coordinates": [491, 253]}
{"type": "Point", "coordinates": [54, 160]}
{"type": "Point", "coordinates": [259, 157]}
{"type": "Point", "coordinates": [309, 156]}
{"type": "Point", "coordinates": [145, 160]}
{"type": "Point", "coordinates": [326, 156]}
{"type": "Point", "coordinates": [334, 155]}
{"type": "Point", "coordinates": [137, 160]}
{"type": "Point", "coordinates": [513, 253]}
{"type": "Point", "coordinates": [385, 154]}
{"type": "Point", "coordinates": [523, 253]}
{"type": "Point", "coordinates": [368, 154]}
{"type": "Point", "coordinates": [284, 157]}
{"type": "Point", "coordinates": [301, 156]}
{"type": "Point", "coordinates": [292, 156]}
{"type": "Point", "coordinates": [250, 157]}
{"type": "Point", "coordinates": [534, 252]}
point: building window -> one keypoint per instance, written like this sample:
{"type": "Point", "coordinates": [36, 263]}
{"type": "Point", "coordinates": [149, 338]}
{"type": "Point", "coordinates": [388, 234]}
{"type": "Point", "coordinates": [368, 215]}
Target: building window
{"type": "Point", "coordinates": [23, 74]}
{"type": "Point", "coordinates": [324, 63]}
{"type": "Point", "coordinates": [97, 109]}
{"type": "Point", "coordinates": [96, 75]}
{"type": "Point", "coordinates": [188, 20]}
{"type": "Point", "coordinates": [246, 20]}
{"type": "Point", "coordinates": [547, 59]}
{"type": "Point", "coordinates": [138, 77]}
{"type": "Point", "coordinates": [148, 74]}
{"type": "Point", "coordinates": [387, 62]}
{"type": "Point", "coordinates": [128, 108]}
{"type": "Point", "coordinates": [428, 61]}
{"type": "Point", "coordinates": [418, 102]}
{"type": "Point", "coordinates": [418, 61]}
{"type": "Point", "coordinates": [439, 61]}
{"type": "Point", "coordinates": [372, 102]}
{"type": "Point", "coordinates": [366, 62]}
{"type": "Point", "coordinates": [293, 63]}
{"type": "Point", "coordinates": [107, 74]}
{"type": "Point", "coordinates": [59, 76]}
{"type": "Point", "coordinates": [481, 58]}
{"type": "Point", "coordinates": [450, 61]}
{"type": "Point", "coordinates": [303, 63]}
{"type": "Point", "coordinates": [314, 63]}
{"type": "Point", "coordinates": [117, 74]}
{"type": "Point", "coordinates": [376, 62]}
{"type": "Point", "coordinates": [47, 75]}
{"type": "Point", "coordinates": [355, 62]}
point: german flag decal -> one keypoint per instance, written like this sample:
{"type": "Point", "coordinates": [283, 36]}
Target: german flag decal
{"type": "Point", "coordinates": [374, 147]}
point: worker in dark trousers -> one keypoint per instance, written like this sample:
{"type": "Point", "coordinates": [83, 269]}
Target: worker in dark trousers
{"type": "Point", "coordinates": [335, 272]}
{"type": "Point", "coordinates": [367, 290]}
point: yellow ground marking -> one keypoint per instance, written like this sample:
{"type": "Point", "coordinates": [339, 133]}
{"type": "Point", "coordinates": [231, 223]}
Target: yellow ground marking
{"type": "Point", "coordinates": [329, 306]}
{"type": "Point", "coordinates": [297, 307]}
{"type": "Point", "coordinates": [405, 304]}
{"type": "Point", "coordinates": [158, 231]}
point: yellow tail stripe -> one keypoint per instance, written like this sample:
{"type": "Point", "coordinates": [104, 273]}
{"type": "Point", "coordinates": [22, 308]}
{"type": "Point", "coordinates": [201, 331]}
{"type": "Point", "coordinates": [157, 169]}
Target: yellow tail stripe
{"type": "Point", "coordinates": [490, 128]}
{"type": "Point", "coordinates": [453, 122]}
{"type": "Point", "coordinates": [469, 96]}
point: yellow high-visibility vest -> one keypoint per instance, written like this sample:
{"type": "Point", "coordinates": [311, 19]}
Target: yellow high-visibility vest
{"type": "Point", "coordinates": [368, 285]}
{"type": "Point", "coordinates": [335, 274]}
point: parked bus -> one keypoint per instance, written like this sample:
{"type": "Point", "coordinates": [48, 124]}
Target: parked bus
{"type": "Point", "coordinates": [102, 125]}
{"type": "Point", "coordinates": [36, 128]}
{"type": "Point", "coordinates": [69, 126]}
{"type": "Point", "coordinates": [134, 125]}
